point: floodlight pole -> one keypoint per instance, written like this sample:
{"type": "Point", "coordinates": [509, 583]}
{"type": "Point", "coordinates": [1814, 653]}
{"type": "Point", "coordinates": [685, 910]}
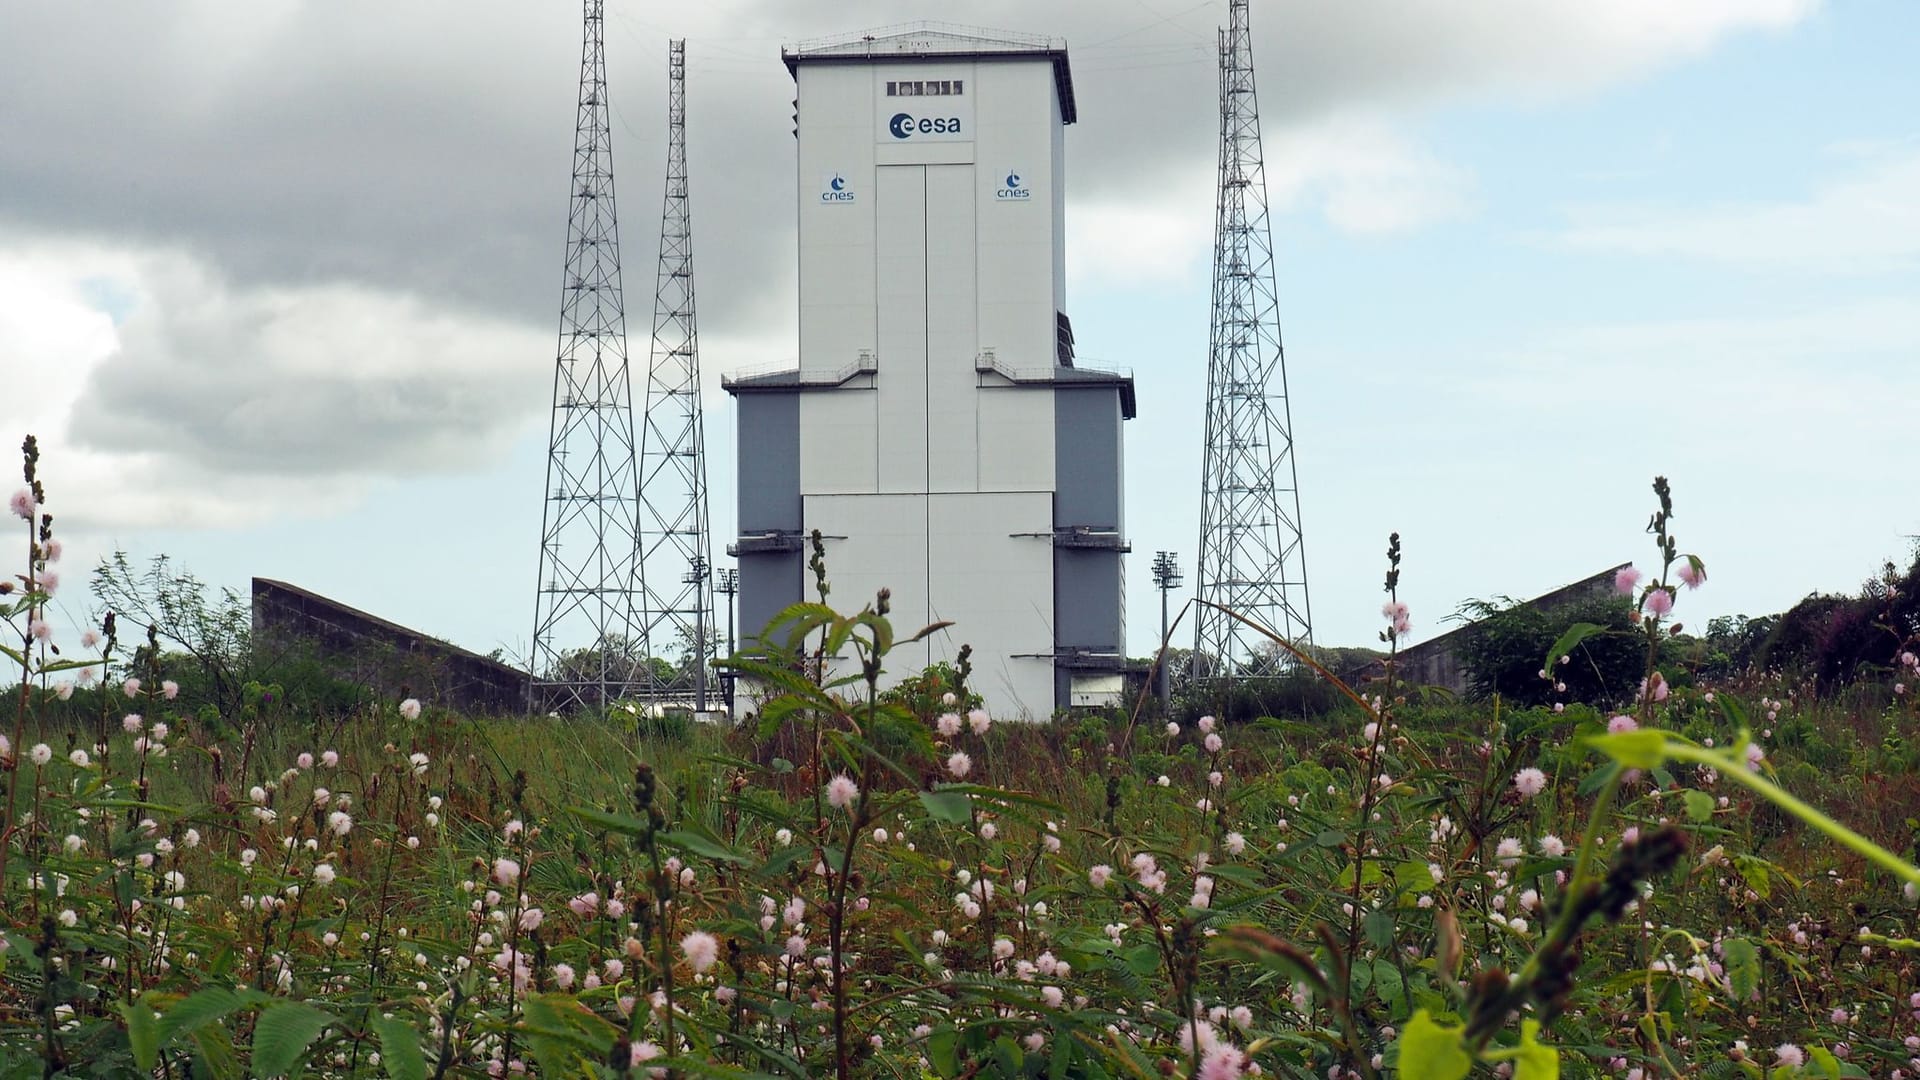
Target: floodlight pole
{"type": "Point", "coordinates": [696, 576]}
{"type": "Point", "coordinates": [728, 586]}
{"type": "Point", "coordinates": [1166, 577]}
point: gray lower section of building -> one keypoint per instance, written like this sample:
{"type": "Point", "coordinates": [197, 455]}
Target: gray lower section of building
{"type": "Point", "coordinates": [769, 582]}
{"type": "Point", "coordinates": [770, 544]}
{"type": "Point", "coordinates": [769, 463]}
{"type": "Point", "coordinates": [1088, 482]}
{"type": "Point", "coordinates": [1089, 614]}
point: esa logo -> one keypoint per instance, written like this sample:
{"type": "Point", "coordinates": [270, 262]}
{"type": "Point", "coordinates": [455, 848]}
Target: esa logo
{"type": "Point", "coordinates": [1011, 190]}
{"type": "Point", "coordinates": [836, 190]}
{"type": "Point", "coordinates": [906, 125]}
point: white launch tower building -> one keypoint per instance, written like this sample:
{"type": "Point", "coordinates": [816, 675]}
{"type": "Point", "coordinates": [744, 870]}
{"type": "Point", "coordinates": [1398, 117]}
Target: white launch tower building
{"type": "Point", "coordinates": [937, 430]}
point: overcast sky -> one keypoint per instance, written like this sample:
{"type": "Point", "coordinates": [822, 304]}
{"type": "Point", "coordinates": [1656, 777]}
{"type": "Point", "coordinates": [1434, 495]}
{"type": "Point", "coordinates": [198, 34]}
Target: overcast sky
{"type": "Point", "coordinates": [279, 281]}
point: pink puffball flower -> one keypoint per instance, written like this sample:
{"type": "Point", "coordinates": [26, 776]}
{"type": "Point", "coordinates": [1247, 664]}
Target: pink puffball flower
{"type": "Point", "coordinates": [959, 764]}
{"type": "Point", "coordinates": [1099, 875]}
{"type": "Point", "coordinates": [1529, 782]}
{"type": "Point", "coordinates": [1222, 1062]}
{"type": "Point", "coordinates": [169, 689]}
{"type": "Point", "coordinates": [132, 723]}
{"type": "Point", "coordinates": [948, 724]}
{"type": "Point", "coordinates": [330, 758]}
{"type": "Point", "coordinates": [842, 791]}
{"type": "Point", "coordinates": [22, 504]}
{"type": "Point", "coordinates": [979, 721]}
{"type": "Point", "coordinates": [644, 1051]}
{"type": "Point", "coordinates": [1659, 601]}
{"type": "Point", "coordinates": [51, 549]}
{"type": "Point", "coordinates": [1693, 574]}
{"type": "Point", "coordinates": [1622, 723]}
{"type": "Point", "coordinates": [1213, 742]}
{"type": "Point", "coordinates": [701, 950]}
{"type": "Point", "coordinates": [90, 639]}
{"type": "Point", "coordinates": [40, 629]}
{"type": "Point", "coordinates": [410, 709]}
{"type": "Point", "coordinates": [131, 687]}
{"type": "Point", "coordinates": [506, 871]}
{"type": "Point", "coordinates": [584, 905]}
{"type": "Point", "coordinates": [1790, 1055]}
{"type": "Point", "coordinates": [63, 689]}
{"type": "Point", "coordinates": [1626, 579]}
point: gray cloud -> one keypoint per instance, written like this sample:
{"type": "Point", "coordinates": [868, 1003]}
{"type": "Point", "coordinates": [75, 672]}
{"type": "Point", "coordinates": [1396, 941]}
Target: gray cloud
{"type": "Point", "coordinates": [349, 217]}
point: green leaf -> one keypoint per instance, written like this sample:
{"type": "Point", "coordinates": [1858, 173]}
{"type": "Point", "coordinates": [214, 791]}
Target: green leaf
{"type": "Point", "coordinates": [1387, 983]}
{"type": "Point", "coordinates": [1822, 1063]}
{"type": "Point", "coordinates": [399, 1048]}
{"type": "Point", "coordinates": [1743, 968]}
{"type": "Point", "coordinates": [952, 807]}
{"type": "Point", "coordinates": [197, 1010]}
{"type": "Point", "coordinates": [1431, 1052]}
{"type": "Point", "coordinates": [1642, 749]}
{"type": "Point", "coordinates": [1535, 1060]}
{"type": "Point", "coordinates": [1008, 1057]}
{"type": "Point", "coordinates": [1379, 928]}
{"type": "Point", "coordinates": [705, 846]}
{"type": "Point", "coordinates": [1757, 874]}
{"type": "Point", "coordinates": [943, 1051]}
{"type": "Point", "coordinates": [214, 1055]}
{"type": "Point", "coordinates": [1575, 634]}
{"type": "Point", "coordinates": [623, 824]}
{"type": "Point", "coordinates": [1143, 960]}
{"type": "Point", "coordinates": [283, 1033]}
{"type": "Point", "coordinates": [143, 1033]}
{"type": "Point", "coordinates": [1330, 838]}
{"type": "Point", "coordinates": [1699, 807]}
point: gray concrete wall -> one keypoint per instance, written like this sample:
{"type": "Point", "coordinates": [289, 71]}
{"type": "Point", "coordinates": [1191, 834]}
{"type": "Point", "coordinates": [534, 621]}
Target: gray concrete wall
{"type": "Point", "coordinates": [1087, 455]}
{"type": "Point", "coordinates": [767, 583]}
{"type": "Point", "coordinates": [769, 449]}
{"type": "Point", "coordinates": [383, 656]}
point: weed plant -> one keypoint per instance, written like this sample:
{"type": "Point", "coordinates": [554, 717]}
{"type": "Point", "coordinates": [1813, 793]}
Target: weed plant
{"type": "Point", "coordinates": [883, 884]}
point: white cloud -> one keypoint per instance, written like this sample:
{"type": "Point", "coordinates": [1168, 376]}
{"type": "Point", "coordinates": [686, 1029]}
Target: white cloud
{"type": "Point", "coordinates": [1364, 176]}
{"type": "Point", "coordinates": [1864, 220]}
{"type": "Point", "coordinates": [214, 404]}
{"type": "Point", "coordinates": [1121, 241]}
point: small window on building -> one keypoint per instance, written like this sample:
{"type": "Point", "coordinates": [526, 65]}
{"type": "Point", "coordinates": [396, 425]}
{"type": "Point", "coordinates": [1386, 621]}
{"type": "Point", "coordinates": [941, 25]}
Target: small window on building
{"type": "Point", "coordinates": [959, 86]}
{"type": "Point", "coordinates": [893, 89]}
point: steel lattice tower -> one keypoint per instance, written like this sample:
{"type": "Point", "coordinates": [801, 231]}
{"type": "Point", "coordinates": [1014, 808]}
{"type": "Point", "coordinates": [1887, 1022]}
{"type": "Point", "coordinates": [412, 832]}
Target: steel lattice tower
{"type": "Point", "coordinates": [1251, 556]}
{"type": "Point", "coordinates": [583, 631]}
{"type": "Point", "coordinates": [676, 566]}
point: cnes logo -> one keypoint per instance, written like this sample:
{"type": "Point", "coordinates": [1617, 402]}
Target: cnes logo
{"type": "Point", "coordinates": [906, 125]}
{"type": "Point", "coordinates": [836, 190]}
{"type": "Point", "coordinates": [1011, 189]}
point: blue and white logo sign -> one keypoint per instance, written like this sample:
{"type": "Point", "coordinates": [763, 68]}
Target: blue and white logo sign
{"type": "Point", "coordinates": [908, 126]}
{"type": "Point", "coordinates": [1012, 189]}
{"type": "Point", "coordinates": [836, 189]}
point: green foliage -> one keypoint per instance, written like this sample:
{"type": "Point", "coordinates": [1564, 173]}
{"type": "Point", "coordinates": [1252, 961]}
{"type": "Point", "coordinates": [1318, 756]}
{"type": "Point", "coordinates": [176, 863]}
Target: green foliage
{"type": "Point", "coordinates": [1507, 645]}
{"type": "Point", "coordinates": [288, 892]}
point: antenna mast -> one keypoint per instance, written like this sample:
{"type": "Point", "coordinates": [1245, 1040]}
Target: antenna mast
{"type": "Point", "coordinates": [583, 646]}
{"type": "Point", "coordinates": [676, 563]}
{"type": "Point", "coordinates": [1252, 559]}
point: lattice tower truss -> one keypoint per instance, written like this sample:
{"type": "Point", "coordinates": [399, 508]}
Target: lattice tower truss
{"type": "Point", "coordinates": [676, 564]}
{"type": "Point", "coordinates": [585, 647]}
{"type": "Point", "coordinates": [1252, 559]}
